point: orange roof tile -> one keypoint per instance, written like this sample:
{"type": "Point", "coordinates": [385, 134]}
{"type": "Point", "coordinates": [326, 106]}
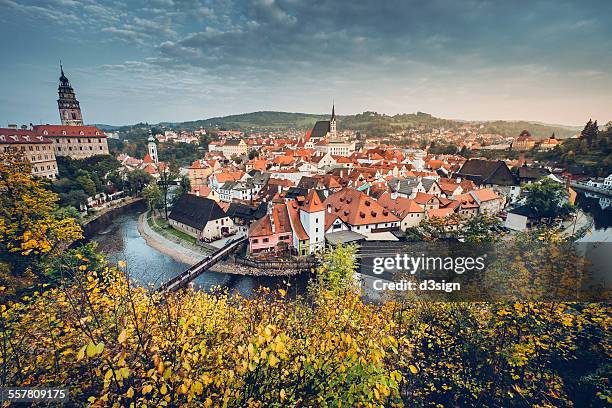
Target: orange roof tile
{"type": "Point", "coordinates": [356, 208]}
{"type": "Point", "coordinates": [313, 203]}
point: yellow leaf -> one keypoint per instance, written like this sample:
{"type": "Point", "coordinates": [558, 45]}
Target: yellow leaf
{"type": "Point", "coordinates": [282, 395]}
{"type": "Point", "coordinates": [130, 393]}
{"type": "Point", "coordinates": [282, 292]}
{"type": "Point", "coordinates": [122, 336]}
{"type": "Point", "coordinates": [121, 264]}
{"type": "Point", "coordinates": [413, 369]}
{"type": "Point", "coordinates": [273, 360]}
{"type": "Point", "coordinates": [99, 348]}
{"type": "Point", "coordinates": [163, 390]}
{"type": "Point", "coordinates": [81, 353]}
{"type": "Point", "coordinates": [91, 349]}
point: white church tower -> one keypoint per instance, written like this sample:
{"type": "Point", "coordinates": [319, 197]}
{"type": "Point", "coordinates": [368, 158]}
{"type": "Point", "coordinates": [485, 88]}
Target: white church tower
{"type": "Point", "coordinates": [152, 148]}
{"type": "Point", "coordinates": [312, 217]}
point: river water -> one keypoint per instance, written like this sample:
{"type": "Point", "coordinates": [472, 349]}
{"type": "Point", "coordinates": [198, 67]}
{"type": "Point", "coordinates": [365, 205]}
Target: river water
{"type": "Point", "coordinates": [120, 240]}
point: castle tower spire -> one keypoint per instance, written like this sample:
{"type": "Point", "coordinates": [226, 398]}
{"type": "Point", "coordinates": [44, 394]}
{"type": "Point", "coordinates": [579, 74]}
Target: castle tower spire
{"type": "Point", "coordinates": [67, 103]}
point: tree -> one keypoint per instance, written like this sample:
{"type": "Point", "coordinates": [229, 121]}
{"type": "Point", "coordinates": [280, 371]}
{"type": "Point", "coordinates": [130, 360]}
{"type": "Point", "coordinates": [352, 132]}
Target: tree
{"type": "Point", "coordinates": [547, 199]}
{"type": "Point", "coordinates": [31, 227]}
{"type": "Point", "coordinates": [152, 194]}
{"type": "Point", "coordinates": [121, 345]}
{"type": "Point", "coordinates": [590, 132]}
{"type": "Point", "coordinates": [167, 175]}
{"type": "Point", "coordinates": [86, 184]}
{"type": "Point", "coordinates": [137, 180]}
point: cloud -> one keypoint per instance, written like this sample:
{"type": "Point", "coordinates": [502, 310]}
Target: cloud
{"type": "Point", "coordinates": [396, 54]}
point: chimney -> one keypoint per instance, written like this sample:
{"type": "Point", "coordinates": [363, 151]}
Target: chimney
{"type": "Point", "coordinates": [198, 192]}
{"type": "Point", "coordinates": [12, 126]}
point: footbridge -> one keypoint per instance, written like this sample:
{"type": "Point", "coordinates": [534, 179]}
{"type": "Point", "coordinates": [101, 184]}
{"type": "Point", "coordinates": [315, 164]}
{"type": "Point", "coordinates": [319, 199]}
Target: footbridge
{"type": "Point", "coordinates": [183, 279]}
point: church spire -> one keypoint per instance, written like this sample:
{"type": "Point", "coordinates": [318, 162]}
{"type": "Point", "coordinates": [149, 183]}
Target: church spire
{"type": "Point", "coordinates": [332, 121]}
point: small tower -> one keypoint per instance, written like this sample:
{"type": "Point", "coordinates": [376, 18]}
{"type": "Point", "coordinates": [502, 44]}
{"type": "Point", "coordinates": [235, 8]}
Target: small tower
{"type": "Point", "coordinates": [332, 121]}
{"type": "Point", "coordinates": [312, 218]}
{"type": "Point", "coordinates": [152, 145]}
{"type": "Point", "coordinates": [68, 105]}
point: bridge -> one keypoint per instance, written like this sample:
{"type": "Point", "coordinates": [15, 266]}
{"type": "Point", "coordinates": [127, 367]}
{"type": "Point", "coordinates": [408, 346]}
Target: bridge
{"type": "Point", "coordinates": [183, 279]}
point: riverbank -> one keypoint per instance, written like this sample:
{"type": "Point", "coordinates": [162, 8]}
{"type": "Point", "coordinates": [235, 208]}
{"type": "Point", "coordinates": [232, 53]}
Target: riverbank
{"type": "Point", "coordinates": [162, 244]}
{"type": "Point", "coordinates": [183, 254]}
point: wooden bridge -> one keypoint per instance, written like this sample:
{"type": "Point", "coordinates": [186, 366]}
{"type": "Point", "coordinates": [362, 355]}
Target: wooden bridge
{"type": "Point", "coordinates": [196, 270]}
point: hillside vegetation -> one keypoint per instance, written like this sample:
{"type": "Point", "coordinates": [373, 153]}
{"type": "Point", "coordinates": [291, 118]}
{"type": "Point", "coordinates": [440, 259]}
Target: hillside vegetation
{"type": "Point", "coordinates": [370, 123]}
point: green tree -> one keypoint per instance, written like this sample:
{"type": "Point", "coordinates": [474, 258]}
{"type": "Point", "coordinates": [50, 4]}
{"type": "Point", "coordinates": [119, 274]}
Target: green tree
{"type": "Point", "coordinates": [547, 199]}
{"type": "Point", "coordinates": [137, 180]}
{"type": "Point", "coordinates": [168, 175]}
{"type": "Point", "coordinates": [152, 194]}
{"type": "Point", "coordinates": [86, 184]}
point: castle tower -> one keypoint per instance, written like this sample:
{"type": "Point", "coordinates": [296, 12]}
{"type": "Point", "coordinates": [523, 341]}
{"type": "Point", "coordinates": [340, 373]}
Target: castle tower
{"type": "Point", "coordinates": [152, 147]}
{"type": "Point", "coordinates": [312, 218]}
{"type": "Point", "coordinates": [69, 109]}
{"type": "Point", "coordinates": [332, 122]}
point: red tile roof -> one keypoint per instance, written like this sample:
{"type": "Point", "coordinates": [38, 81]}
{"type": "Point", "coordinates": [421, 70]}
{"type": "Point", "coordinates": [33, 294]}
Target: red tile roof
{"type": "Point", "coordinates": [21, 136]}
{"type": "Point", "coordinates": [400, 206]}
{"type": "Point", "coordinates": [356, 208]}
{"type": "Point", "coordinates": [298, 229]}
{"type": "Point", "coordinates": [313, 203]}
{"type": "Point", "coordinates": [68, 131]}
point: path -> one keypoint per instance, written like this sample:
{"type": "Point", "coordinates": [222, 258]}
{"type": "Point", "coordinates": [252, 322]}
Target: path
{"type": "Point", "coordinates": [164, 245]}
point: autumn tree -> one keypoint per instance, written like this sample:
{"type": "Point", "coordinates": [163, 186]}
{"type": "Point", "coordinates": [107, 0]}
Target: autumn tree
{"type": "Point", "coordinates": [31, 227]}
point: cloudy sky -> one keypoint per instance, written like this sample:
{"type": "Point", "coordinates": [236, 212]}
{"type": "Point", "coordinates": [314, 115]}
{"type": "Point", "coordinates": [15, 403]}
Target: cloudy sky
{"type": "Point", "coordinates": [175, 60]}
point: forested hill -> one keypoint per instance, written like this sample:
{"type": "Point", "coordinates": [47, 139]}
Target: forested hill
{"type": "Point", "coordinates": [370, 123]}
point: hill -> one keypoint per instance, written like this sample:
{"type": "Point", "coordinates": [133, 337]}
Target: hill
{"type": "Point", "coordinates": [370, 123]}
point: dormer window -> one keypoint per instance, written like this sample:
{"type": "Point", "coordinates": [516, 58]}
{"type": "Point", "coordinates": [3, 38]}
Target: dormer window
{"type": "Point", "coordinates": [45, 132]}
{"type": "Point", "coordinates": [81, 133]}
{"type": "Point", "coordinates": [64, 132]}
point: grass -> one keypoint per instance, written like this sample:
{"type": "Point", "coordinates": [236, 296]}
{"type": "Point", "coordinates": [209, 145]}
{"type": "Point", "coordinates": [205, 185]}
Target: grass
{"type": "Point", "coordinates": [161, 226]}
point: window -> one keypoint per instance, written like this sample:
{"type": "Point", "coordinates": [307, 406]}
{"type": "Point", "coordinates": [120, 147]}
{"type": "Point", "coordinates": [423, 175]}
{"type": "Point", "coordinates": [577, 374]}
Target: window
{"type": "Point", "coordinates": [265, 240]}
{"type": "Point", "coordinates": [255, 240]}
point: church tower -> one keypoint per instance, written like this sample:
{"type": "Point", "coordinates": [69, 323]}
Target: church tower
{"type": "Point", "coordinates": [152, 148]}
{"type": "Point", "coordinates": [69, 109]}
{"type": "Point", "coordinates": [332, 122]}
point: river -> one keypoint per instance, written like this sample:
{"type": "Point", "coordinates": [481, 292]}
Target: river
{"type": "Point", "coordinates": [120, 240]}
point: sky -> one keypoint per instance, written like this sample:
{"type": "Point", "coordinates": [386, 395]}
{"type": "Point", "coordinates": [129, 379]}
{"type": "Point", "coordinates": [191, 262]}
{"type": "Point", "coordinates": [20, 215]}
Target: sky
{"type": "Point", "coordinates": [176, 60]}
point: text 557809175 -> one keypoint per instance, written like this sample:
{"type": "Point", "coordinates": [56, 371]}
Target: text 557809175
{"type": "Point", "coordinates": [30, 394]}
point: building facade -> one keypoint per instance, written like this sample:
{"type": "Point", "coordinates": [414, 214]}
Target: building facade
{"type": "Point", "coordinates": [77, 142]}
{"type": "Point", "coordinates": [37, 149]}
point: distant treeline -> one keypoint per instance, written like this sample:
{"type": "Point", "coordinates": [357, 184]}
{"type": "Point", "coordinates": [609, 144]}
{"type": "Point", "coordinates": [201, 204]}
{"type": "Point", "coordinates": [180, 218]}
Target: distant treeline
{"type": "Point", "coordinates": [369, 123]}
